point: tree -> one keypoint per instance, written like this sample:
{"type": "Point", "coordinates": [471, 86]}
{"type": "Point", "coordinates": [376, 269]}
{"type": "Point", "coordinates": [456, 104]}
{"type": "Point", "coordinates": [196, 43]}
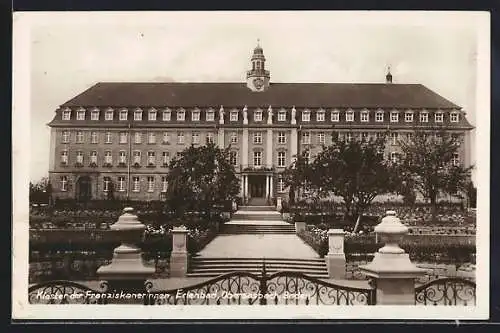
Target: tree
{"type": "Point", "coordinates": [471, 192]}
{"type": "Point", "coordinates": [201, 179]}
{"type": "Point", "coordinates": [39, 192]}
{"type": "Point", "coordinates": [298, 176]}
{"type": "Point", "coordinates": [430, 160]}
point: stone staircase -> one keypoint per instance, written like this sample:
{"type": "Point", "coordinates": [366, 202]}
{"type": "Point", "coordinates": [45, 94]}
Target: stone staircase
{"type": "Point", "coordinates": [257, 220]}
{"type": "Point", "coordinates": [237, 229]}
{"type": "Point", "coordinates": [212, 267]}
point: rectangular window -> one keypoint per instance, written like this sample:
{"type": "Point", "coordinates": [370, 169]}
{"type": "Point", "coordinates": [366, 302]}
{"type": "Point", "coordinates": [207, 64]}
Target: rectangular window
{"type": "Point", "coordinates": [79, 137]}
{"type": "Point", "coordinates": [123, 115]}
{"type": "Point", "coordinates": [306, 137]}
{"type": "Point", "coordinates": [257, 158]}
{"type": "Point", "coordinates": [365, 117]}
{"type": "Point", "coordinates": [195, 116]}
{"type": "Point", "coordinates": [151, 158]}
{"type": "Point", "coordinates": [306, 116]}
{"type": "Point", "coordinates": [164, 184]}
{"type": "Point", "coordinates": [438, 117]}
{"type": "Point", "coordinates": [424, 117]}
{"type": "Point", "coordinates": [66, 115]}
{"type": "Point", "coordinates": [93, 157]}
{"type": "Point", "coordinates": [281, 137]}
{"type": "Point", "coordinates": [64, 157]}
{"type": "Point", "coordinates": [65, 137]}
{"type": "Point", "coordinates": [108, 115]}
{"type": "Point", "coordinates": [210, 138]}
{"type": "Point", "coordinates": [321, 138]}
{"type": "Point", "coordinates": [233, 116]}
{"type": "Point", "coordinates": [394, 117]}
{"type": "Point", "coordinates": [233, 158]}
{"type": "Point", "coordinates": [94, 115]}
{"type": "Point", "coordinates": [180, 138]}
{"type": "Point", "coordinates": [108, 158]}
{"type": "Point", "coordinates": [234, 137]}
{"type": "Point", "coordinates": [137, 115]}
{"type": "Point", "coordinates": [166, 115]}
{"type": "Point", "coordinates": [123, 137]}
{"type": "Point", "coordinates": [94, 138]}
{"type": "Point", "coordinates": [257, 116]}
{"type": "Point", "coordinates": [106, 182]}
{"type": "Point", "coordinates": [257, 138]}
{"type": "Point", "coordinates": [107, 137]}
{"type": "Point", "coordinates": [455, 160]}
{"type": "Point", "coordinates": [181, 115]}
{"type": "Point", "coordinates": [394, 157]}
{"type": "Point", "coordinates": [320, 116]}
{"type": "Point", "coordinates": [379, 117]}
{"type": "Point", "coordinates": [349, 116]}
{"type": "Point", "coordinates": [409, 136]}
{"type": "Point", "coordinates": [282, 116]}
{"type": "Point", "coordinates": [79, 157]}
{"type": "Point", "coordinates": [122, 157]}
{"type": "Point", "coordinates": [152, 115]}
{"type": "Point", "coordinates": [394, 138]}
{"type": "Point", "coordinates": [281, 184]}
{"type": "Point", "coordinates": [64, 183]}
{"type": "Point", "coordinates": [151, 138]}
{"type": "Point", "coordinates": [335, 116]}
{"type": "Point", "coordinates": [121, 184]}
{"type": "Point", "coordinates": [137, 157]}
{"type": "Point", "coordinates": [365, 136]}
{"type": "Point", "coordinates": [210, 116]}
{"type": "Point", "coordinates": [136, 185]}
{"type": "Point", "coordinates": [80, 115]}
{"type": "Point", "coordinates": [137, 137]}
{"type": "Point", "coordinates": [166, 138]}
{"type": "Point", "coordinates": [409, 117]}
{"type": "Point", "coordinates": [195, 138]}
{"type": "Point", "coordinates": [348, 137]}
{"type": "Point", "coordinates": [165, 157]}
{"type": "Point", "coordinates": [281, 158]}
{"type": "Point", "coordinates": [454, 117]}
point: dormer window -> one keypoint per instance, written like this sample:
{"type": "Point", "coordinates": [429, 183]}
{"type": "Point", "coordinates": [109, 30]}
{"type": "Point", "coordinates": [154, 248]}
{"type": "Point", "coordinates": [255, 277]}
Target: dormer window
{"type": "Point", "coordinates": [137, 115]}
{"type": "Point", "coordinates": [94, 114]}
{"type": "Point", "coordinates": [80, 114]}
{"type": "Point", "coordinates": [66, 114]}
{"type": "Point", "coordinates": [282, 115]}
{"type": "Point", "coordinates": [424, 117]}
{"type": "Point", "coordinates": [195, 115]}
{"type": "Point", "coordinates": [438, 117]}
{"type": "Point", "coordinates": [166, 115]}
{"type": "Point", "coordinates": [233, 116]}
{"type": "Point", "coordinates": [454, 117]}
{"type": "Point", "coordinates": [335, 116]}
{"type": "Point", "coordinates": [123, 115]}
{"type": "Point", "coordinates": [210, 115]}
{"type": "Point", "coordinates": [349, 115]}
{"type": "Point", "coordinates": [108, 115]}
{"type": "Point", "coordinates": [320, 116]}
{"type": "Point", "coordinates": [257, 116]}
{"type": "Point", "coordinates": [181, 115]}
{"type": "Point", "coordinates": [379, 116]}
{"type": "Point", "coordinates": [306, 115]}
{"type": "Point", "coordinates": [408, 116]}
{"type": "Point", "coordinates": [365, 116]}
{"type": "Point", "coordinates": [394, 116]}
{"type": "Point", "coordinates": [152, 115]}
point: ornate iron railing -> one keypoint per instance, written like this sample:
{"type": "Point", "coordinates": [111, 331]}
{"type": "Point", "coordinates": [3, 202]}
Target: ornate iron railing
{"type": "Point", "coordinates": [281, 288]}
{"type": "Point", "coordinates": [66, 292]}
{"type": "Point", "coordinates": [446, 291]}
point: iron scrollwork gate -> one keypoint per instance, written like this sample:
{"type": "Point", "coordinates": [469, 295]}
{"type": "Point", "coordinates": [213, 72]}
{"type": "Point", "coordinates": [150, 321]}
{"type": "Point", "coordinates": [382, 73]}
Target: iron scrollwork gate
{"type": "Point", "coordinates": [244, 288]}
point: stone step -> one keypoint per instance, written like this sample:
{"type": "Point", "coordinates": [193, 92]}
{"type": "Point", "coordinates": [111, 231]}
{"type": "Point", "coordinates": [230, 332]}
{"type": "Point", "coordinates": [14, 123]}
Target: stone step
{"type": "Point", "coordinates": [264, 217]}
{"type": "Point", "coordinates": [242, 266]}
{"type": "Point", "coordinates": [215, 274]}
{"type": "Point", "coordinates": [257, 208]}
{"type": "Point", "coordinates": [260, 260]}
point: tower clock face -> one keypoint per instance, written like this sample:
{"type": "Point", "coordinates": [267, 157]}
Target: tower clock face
{"type": "Point", "coordinates": [258, 83]}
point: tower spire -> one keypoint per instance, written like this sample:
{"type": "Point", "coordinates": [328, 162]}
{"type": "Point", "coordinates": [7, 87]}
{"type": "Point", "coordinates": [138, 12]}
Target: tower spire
{"type": "Point", "coordinates": [258, 77]}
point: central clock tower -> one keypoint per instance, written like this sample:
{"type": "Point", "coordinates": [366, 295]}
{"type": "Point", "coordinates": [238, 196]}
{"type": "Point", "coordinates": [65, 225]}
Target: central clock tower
{"type": "Point", "coordinates": [258, 77]}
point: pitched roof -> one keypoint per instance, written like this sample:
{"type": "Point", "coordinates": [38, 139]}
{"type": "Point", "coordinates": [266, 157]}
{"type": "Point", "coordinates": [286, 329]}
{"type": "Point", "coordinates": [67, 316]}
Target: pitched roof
{"type": "Point", "coordinates": [176, 94]}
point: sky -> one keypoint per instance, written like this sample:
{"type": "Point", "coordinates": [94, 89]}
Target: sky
{"type": "Point", "coordinates": [70, 52]}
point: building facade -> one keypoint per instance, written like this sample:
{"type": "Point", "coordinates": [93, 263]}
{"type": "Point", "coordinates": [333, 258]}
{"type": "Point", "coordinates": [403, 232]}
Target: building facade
{"type": "Point", "coordinates": [119, 137]}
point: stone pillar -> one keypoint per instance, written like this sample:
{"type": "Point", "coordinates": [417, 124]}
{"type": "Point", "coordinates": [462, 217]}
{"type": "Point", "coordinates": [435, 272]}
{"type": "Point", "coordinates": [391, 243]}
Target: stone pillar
{"type": "Point", "coordinates": [246, 187]}
{"type": "Point", "coordinates": [269, 148]}
{"type": "Point", "coordinates": [393, 272]}
{"type": "Point", "coordinates": [293, 144]}
{"type": "Point", "coordinates": [278, 204]}
{"type": "Point", "coordinates": [221, 142]}
{"type": "Point", "coordinates": [244, 149]}
{"type": "Point", "coordinates": [300, 226]}
{"type": "Point", "coordinates": [178, 257]}
{"type": "Point", "coordinates": [267, 187]}
{"type": "Point", "coordinates": [271, 184]}
{"type": "Point", "coordinates": [335, 259]}
{"type": "Point", "coordinates": [127, 272]}
{"type": "Point", "coordinates": [242, 187]}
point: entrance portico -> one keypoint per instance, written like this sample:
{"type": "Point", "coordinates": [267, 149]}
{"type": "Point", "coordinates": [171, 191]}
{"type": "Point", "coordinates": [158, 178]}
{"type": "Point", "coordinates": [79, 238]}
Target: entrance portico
{"type": "Point", "coordinates": [257, 185]}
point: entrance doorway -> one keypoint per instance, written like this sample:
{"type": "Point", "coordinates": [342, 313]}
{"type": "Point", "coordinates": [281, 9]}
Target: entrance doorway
{"type": "Point", "coordinates": [257, 186]}
{"type": "Point", "coordinates": [84, 189]}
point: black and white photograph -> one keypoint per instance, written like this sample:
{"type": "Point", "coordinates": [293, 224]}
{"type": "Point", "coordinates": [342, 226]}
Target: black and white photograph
{"type": "Point", "coordinates": [253, 165]}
